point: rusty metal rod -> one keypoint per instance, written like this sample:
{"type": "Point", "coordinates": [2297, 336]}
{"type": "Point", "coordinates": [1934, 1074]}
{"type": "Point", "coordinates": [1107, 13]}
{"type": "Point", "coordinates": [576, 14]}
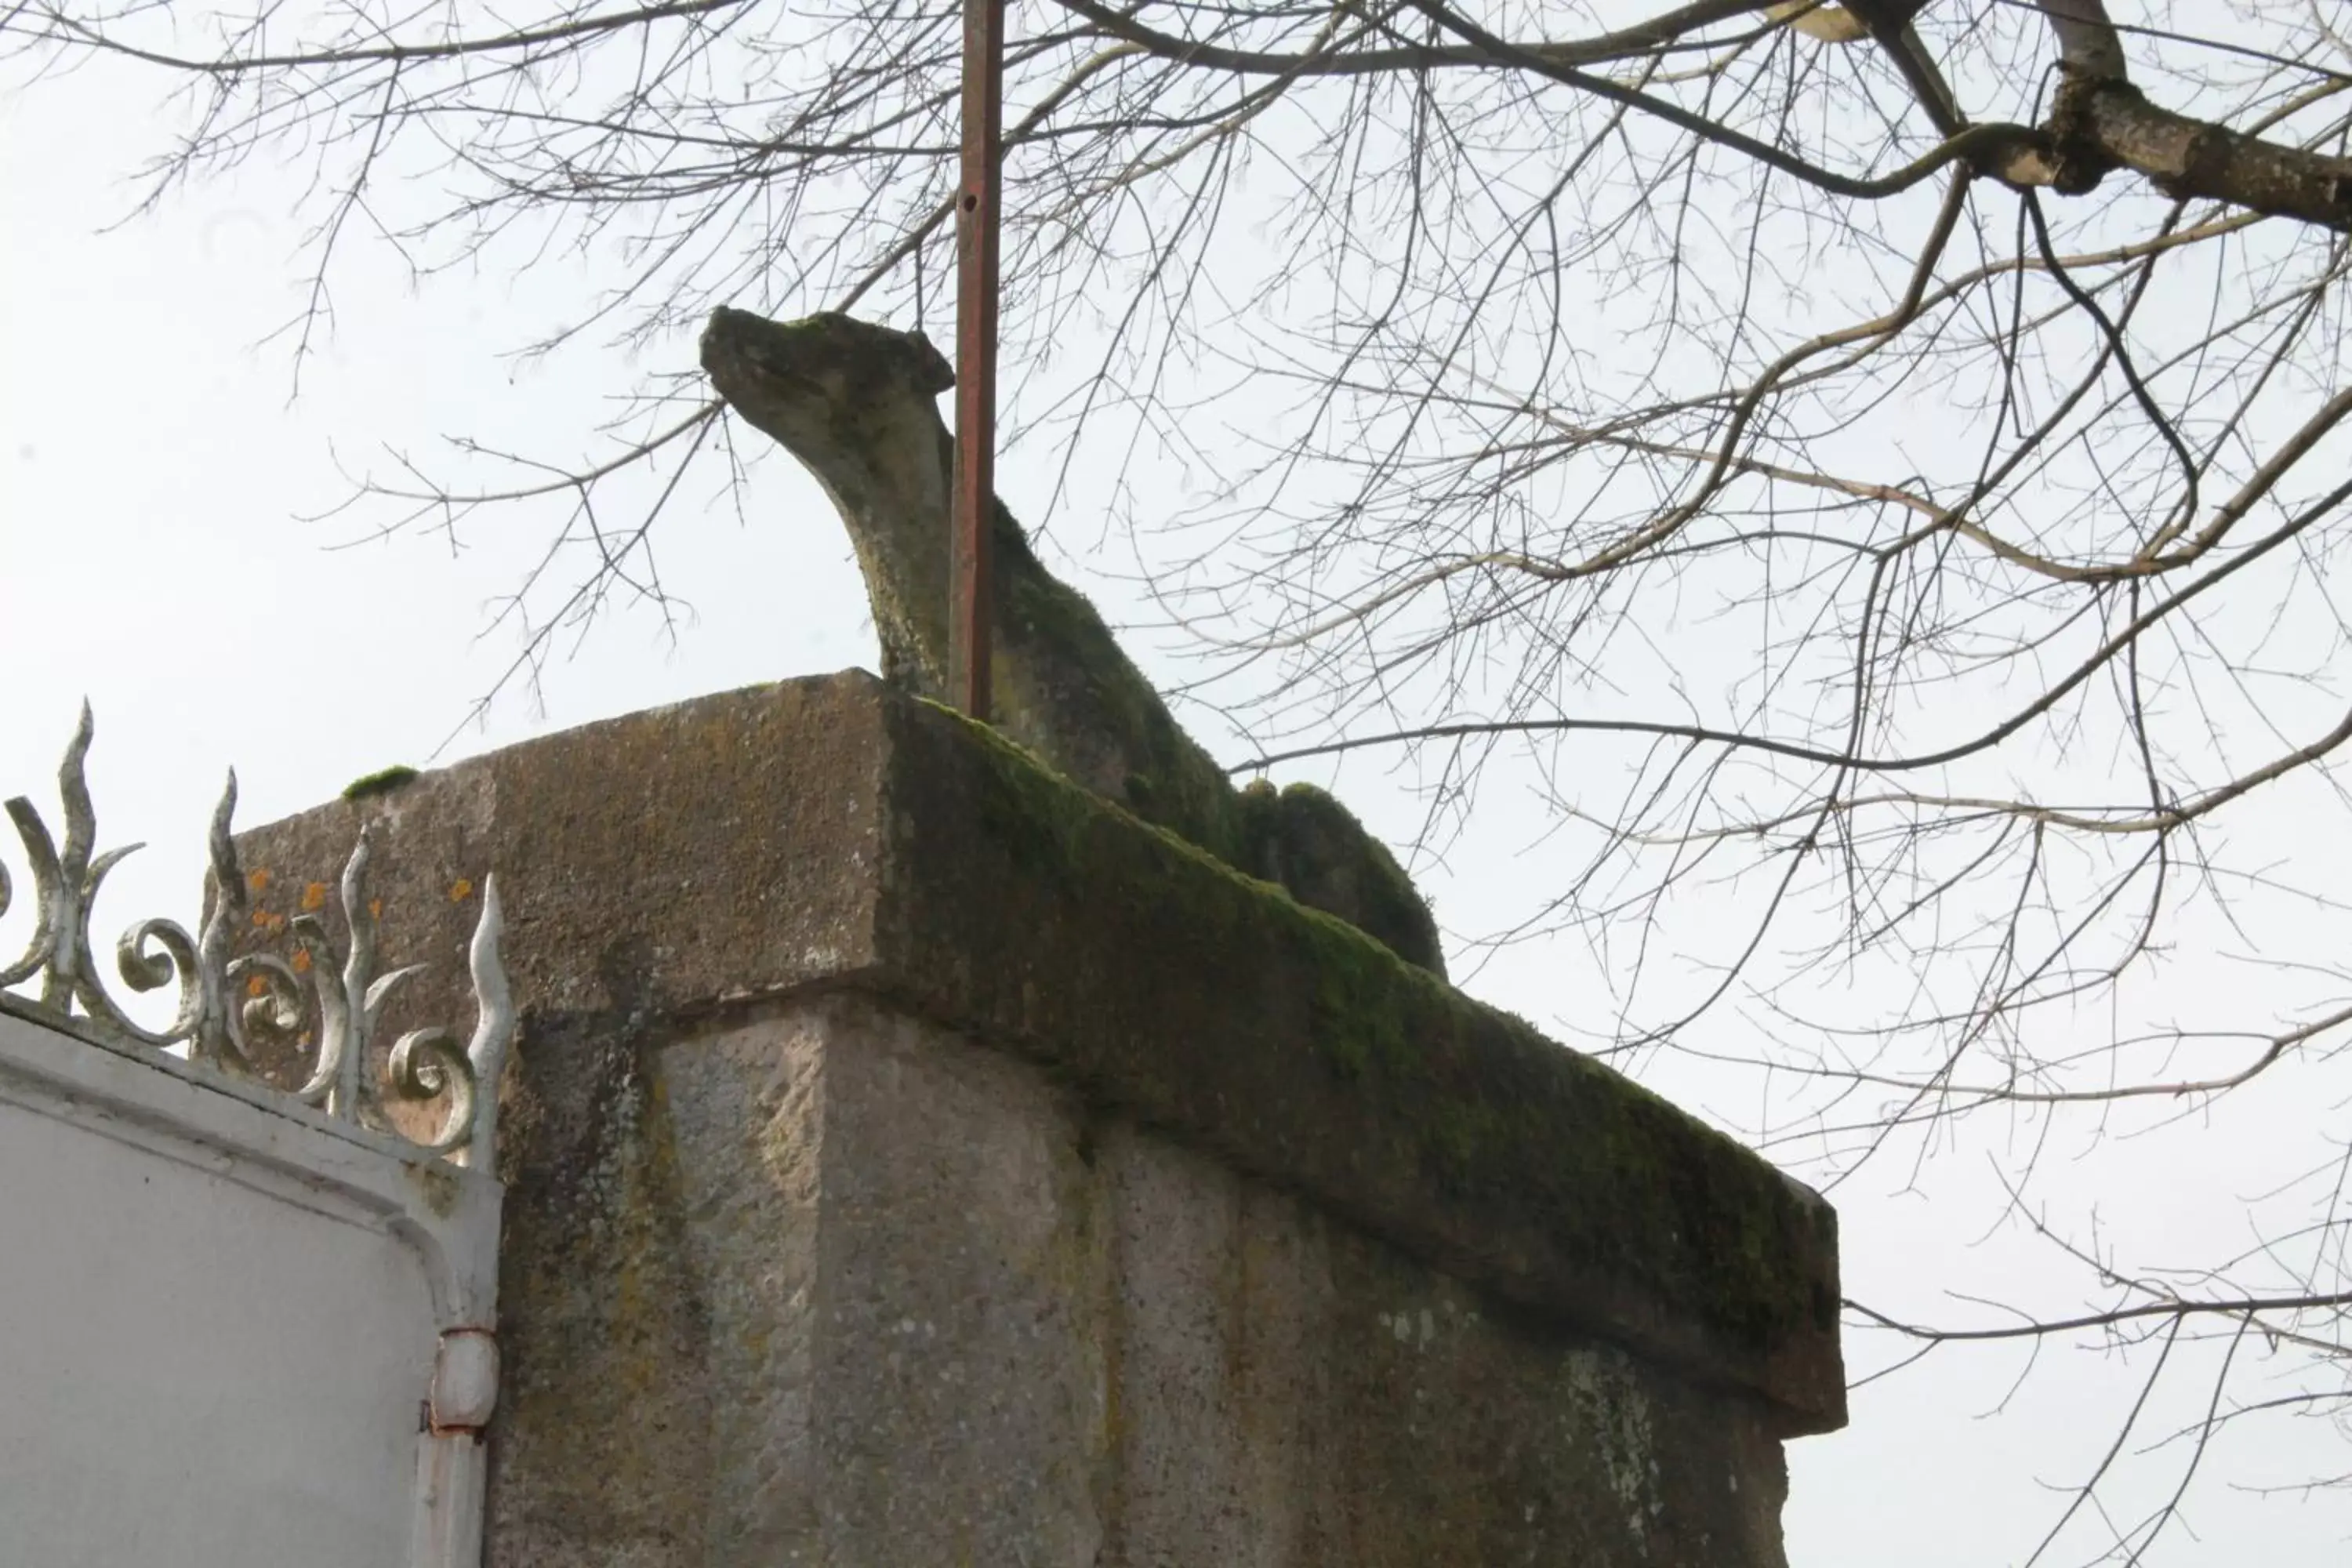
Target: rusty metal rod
{"type": "Point", "coordinates": [977, 218]}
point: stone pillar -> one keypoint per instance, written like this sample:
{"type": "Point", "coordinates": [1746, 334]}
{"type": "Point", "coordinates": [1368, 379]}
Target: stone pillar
{"type": "Point", "coordinates": [913, 1160]}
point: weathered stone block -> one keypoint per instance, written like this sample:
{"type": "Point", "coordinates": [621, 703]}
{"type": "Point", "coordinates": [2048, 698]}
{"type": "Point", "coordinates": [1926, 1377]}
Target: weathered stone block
{"type": "Point", "coordinates": [913, 1160]}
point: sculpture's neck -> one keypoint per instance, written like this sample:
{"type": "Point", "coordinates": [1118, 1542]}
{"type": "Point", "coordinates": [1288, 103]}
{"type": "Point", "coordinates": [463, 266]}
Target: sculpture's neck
{"type": "Point", "coordinates": [887, 468]}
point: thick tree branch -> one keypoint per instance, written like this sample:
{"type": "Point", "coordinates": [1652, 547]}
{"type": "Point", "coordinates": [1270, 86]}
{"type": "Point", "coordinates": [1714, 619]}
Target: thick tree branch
{"type": "Point", "coordinates": [2100, 122]}
{"type": "Point", "coordinates": [2189, 159]}
{"type": "Point", "coordinates": [2086, 38]}
{"type": "Point", "coordinates": [1888, 23]}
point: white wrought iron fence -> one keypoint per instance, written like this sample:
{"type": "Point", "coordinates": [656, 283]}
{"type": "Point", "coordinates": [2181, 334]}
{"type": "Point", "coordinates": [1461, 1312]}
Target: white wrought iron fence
{"type": "Point", "coordinates": [248, 1320]}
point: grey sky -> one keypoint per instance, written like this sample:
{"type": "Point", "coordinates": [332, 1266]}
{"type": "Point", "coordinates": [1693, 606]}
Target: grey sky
{"type": "Point", "coordinates": [152, 480]}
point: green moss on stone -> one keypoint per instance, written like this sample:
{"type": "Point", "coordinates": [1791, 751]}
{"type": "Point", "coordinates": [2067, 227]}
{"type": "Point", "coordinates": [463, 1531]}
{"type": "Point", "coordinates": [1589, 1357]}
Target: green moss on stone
{"type": "Point", "coordinates": [1053, 639]}
{"type": "Point", "coordinates": [383, 780]}
{"type": "Point", "coordinates": [1463, 1097]}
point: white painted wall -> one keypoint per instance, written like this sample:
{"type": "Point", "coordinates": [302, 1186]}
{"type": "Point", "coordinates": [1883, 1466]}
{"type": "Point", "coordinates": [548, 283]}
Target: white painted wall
{"type": "Point", "coordinates": [219, 1316]}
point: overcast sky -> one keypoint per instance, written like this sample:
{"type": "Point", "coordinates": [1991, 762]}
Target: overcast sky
{"type": "Point", "coordinates": [155, 474]}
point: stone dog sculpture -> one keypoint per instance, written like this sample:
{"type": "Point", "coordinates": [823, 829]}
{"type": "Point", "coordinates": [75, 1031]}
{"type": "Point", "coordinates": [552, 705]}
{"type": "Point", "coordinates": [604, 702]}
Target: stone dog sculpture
{"type": "Point", "coordinates": [858, 405]}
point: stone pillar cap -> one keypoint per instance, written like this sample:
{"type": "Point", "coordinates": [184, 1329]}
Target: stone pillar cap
{"type": "Point", "coordinates": [707, 858]}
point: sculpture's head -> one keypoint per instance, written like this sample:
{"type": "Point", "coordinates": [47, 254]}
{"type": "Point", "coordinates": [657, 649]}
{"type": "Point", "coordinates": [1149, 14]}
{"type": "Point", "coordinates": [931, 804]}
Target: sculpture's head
{"type": "Point", "coordinates": [858, 405]}
{"type": "Point", "coordinates": [799, 381]}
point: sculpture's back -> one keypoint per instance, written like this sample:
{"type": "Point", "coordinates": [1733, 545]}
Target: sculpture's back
{"type": "Point", "coordinates": [857, 403]}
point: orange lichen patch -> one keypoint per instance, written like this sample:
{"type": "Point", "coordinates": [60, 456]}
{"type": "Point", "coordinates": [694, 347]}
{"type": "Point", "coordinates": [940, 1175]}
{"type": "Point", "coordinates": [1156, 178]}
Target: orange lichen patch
{"type": "Point", "coordinates": [258, 878]}
{"type": "Point", "coordinates": [261, 919]}
{"type": "Point", "coordinates": [460, 889]}
{"type": "Point", "coordinates": [376, 908]}
{"type": "Point", "coordinates": [257, 986]}
{"type": "Point", "coordinates": [302, 961]}
{"type": "Point", "coordinates": [314, 895]}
